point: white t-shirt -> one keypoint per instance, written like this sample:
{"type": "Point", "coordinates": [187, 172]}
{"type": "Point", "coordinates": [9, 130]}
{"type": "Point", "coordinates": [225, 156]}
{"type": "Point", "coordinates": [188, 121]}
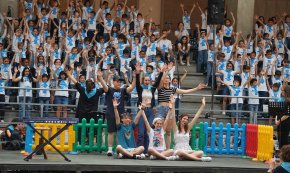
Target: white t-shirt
{"type": "Point", "coordinates": [44, 85]}
{"type": "Point", "coordinates": [156, 139]}
{"type": "Point", "coordinates": [25, 84]}
{"type": "Point", "coordinates": [227, 50]}
{"type": "Point", "coordinates": [165, 45]}
{"type": "Point", "coordinates": [62, 84]}
{"type": "Point", "coordinates": [229, 76]}
{"type": "Point", "coordinates": [151, 50]}
{"type": "Point", "coordinates": [245, 78]}
{"type": "Point", "coordinates": [266, 62]}
{"type": "Point", "coordinates": [186, 21]}
{"type": "Point", "coordinates": [253, 92]}
{"type": "Point", "coordinates": [108, 25]}
{"type": "Point", "coordinates": [238, 92]}
{"type": "Point", "coordinates": [184, 32]}
{"type": "Point", "coordinates": [2, 90]}
{"type": "Point", "coordinates": [202, 44]}
{"type": "Point", "coordinates": [70, 42]}
{"type": "Point", "coordinates": [228, 30]}
{"type": "Point", "coordinates": [263, 85]}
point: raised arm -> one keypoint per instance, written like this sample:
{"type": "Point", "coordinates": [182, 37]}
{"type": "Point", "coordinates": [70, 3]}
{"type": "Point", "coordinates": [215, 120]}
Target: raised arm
{"type": "Point", "coordinates": [171, 113]}
{"type": "Point", "coordinates": [133, 85]}
{"type": "Point", "coordinates": [192, 9]}
{"type": "Point", "coordinates": [182, 91]}
{"type": "Point", "coordinates": [141, 110]}
{"type": "Point", "coordinates": [103, 83]}
{"type": "Point", "coordinates": [200, 110]}
{"type": "Point", "coordinates": [69, 75]}
{"type": "Point", "coordinates": [116, 112]}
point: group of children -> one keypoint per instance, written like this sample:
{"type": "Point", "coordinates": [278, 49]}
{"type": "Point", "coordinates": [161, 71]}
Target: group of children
{"type": "Point", "coordinates": [255, 66]}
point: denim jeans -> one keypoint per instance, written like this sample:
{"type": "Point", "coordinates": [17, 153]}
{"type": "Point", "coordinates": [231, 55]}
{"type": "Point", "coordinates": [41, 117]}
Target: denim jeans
{"type": "Point", "coordinates": [45, 101]}
{"type": "Point", "coordinates": [27, 107]}
{"type": "Point", "coordinates": [253, 114]}
{"type": "Point", "coordinates": [201, 61]}
{"type": "Point", "coordinates": [102, 103]}
{"type": "Point", "coordinates": [143, 138]}
{"type": "Point", "coordinates": [238, 110]}
{"type": "Point", "coordinates": [161, 111]}
{"type": "Point", "coordinates": [209, 69]}
{"type": "Point", "coordinates": [262, 101]}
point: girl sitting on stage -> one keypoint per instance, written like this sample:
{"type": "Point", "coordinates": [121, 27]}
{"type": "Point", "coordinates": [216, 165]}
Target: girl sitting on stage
{"type": "Point", "coordinates": [157, 147]}
{"type": "Point", "coordinates": [181, 131]}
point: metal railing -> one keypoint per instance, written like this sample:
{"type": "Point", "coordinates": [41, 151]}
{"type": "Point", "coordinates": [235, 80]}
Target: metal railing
{"type": "Point", "coordinates": [133, 107]}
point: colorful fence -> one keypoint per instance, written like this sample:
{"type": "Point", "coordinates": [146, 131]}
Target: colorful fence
{"type": "Point", "coordinates": [225, 140]}
{"type": "Point", "coordinates": [260, 144]}
{"type": "Point", "coordinates": [87, 143]}
{"type": "Point", "coordinates": [251, 140]}
{"type": "Point", "coordinates": [63, 142]}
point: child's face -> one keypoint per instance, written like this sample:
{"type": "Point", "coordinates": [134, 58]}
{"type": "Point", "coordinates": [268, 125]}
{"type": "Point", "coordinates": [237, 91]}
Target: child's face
{"type": "Point", "coordinates": [149, 70]}
{"type": "Point", "coordinates": [82, 79]}
{"type": "Point", "coordinates": [152, 38]}
{"type": "Point", "coordinates": [108, 51]}
{"type": "Point", "coordinates": [247, 70]}
{"type": "Point", "coordinates": [158, 124]}
{"type": "Point", "coordinates": [26, 72]}
{"type": "Point", "coordinates": [252, 55]}
{"type": "Point", "coordinates": [44, 79]}
{"type": "Point", "coordinates": [6, 61]}
{"type": "Point", "coordinates": [255, 83]}
{"type": "Point", "coordinates": [74, 51]}
{"type": "Point", "coordinates": [120, 40]}
{"type": "Point", "coordinates": [228, 23]}
{"type": "Point", "coordinates": [136, 40]}
{"type": "Point", "coordinates": [55, 46]}
{"type": "Point", "coordinates": [158, 58]}
{"type": "Point", "coordinates": [229, 66]}
{"type": "Point", "coordinates": [174, 82]}
{"type": "Point", "coordinates": [57, 62]}
{"type": "Point", "coordinates": [131, 32]}
{"type": "Point", "coordinates": [62, 76]}
{"type": "Point", "coordinates": [35, 31]}
{"type": "Point", "coordinates": [270, 23]}
{"type": "Point", "coordinates": [146, 80]}
{"type": "Point", "coordinates": [70, 33]}
{"type": "Point", "coordinates": [142, 54]}
{"type": "Point", "coordinates": [211, 47]}
{"type": "Point", "coordinates": [236, 83]}
{"type": "Point", "coordinates": [126, 120]}
{"type": "Point", "coordinates": [275, 88]}
{"type": "Point", "coordinates": [108, 17]}
{"type": "Point", "coordinates": [227, 43]}
{"type": "Point", "coordinates": [41, 59]}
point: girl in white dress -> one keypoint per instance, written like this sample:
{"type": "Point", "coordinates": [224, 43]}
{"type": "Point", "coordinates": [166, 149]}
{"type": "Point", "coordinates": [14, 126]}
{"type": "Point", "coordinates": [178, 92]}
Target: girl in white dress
{"type": "Point", "coordinates": [181, 131]}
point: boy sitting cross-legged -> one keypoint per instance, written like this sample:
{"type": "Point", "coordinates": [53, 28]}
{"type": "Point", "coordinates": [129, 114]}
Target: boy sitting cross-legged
{"type": "Point", "coordinates": [127, 147]}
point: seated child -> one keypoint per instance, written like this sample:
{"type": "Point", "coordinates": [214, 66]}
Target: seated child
{"type": "Point", "coordinates": [127, 147]}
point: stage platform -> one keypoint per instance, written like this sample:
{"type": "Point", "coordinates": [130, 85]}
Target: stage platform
{"type": "Point", "coordinates": [11, 161]}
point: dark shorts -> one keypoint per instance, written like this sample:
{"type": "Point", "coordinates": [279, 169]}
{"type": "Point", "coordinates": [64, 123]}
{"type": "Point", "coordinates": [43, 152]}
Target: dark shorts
{"type": "Point", "coordinates": [111, 122]}
{"type": "Point", "coordinates": [226, 91]}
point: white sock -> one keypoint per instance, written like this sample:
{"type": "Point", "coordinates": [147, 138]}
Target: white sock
{"type": "Point", "coordinates": [110, 149]}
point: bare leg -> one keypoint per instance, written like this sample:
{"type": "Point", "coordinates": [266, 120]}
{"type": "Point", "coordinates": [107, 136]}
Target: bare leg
{"type": "Point", "coordinates": [58, 109]}
{"type": "Point", "coordinates": [154, 152]}
{"type": "Point", "coordinates": [123, 151]}
{"type": "Point", "coordinates": [168, 140]}
{"type": "Point", "coordinates": [64, 112]}
{"type": "Point", "coordinates": [110, 139]}
{"type": "Point", "coordinates": [188, 60]}
{"type": "Point", "coordinates": [224, 104]}
{"type": "Point", "coordinates": [138, 150]}
{"type": "Point", "coordinates": [193, 156]}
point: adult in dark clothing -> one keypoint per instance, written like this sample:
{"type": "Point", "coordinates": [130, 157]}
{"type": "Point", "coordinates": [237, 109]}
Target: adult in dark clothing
{"type": "Point", "coordinates": [145, 93]}
{"type": "Point", "coordinates": [13, 134]}
{"type": "Point", "coordinates": [89, 97]}
{"type": "Point", "coordinates": [283, 123]}
{"type": "Point", "coordinates": [119, 93]}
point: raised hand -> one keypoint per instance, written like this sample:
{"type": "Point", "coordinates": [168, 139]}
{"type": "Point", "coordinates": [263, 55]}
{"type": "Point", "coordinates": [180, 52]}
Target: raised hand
{"type": "Point", "coordinates": [200, 86]}
{"type": "Point", "coordinates": [115, 102]}
{"type": "Point", "coordinates": [138, 67]}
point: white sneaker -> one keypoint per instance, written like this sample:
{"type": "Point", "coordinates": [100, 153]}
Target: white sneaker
{"type": "Point", "coordinates": [206, 159]}
{"type": "Point", "coordinates": [152, 157]}
{"type": "Point", "coordinates": [224, 113]}
{"type": "Point", "coordinates": [182, 63]}
{"type": "Point", "coordinates": [120, 156]}
{"type": "Point", "coordinates": [110, 153]}
{"type": "Point", "coordinates": [141, 156]}
{"type": "Point", "coordinates": [188, 64]}
{"type": "Point", "coordinates": [172, 158]}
